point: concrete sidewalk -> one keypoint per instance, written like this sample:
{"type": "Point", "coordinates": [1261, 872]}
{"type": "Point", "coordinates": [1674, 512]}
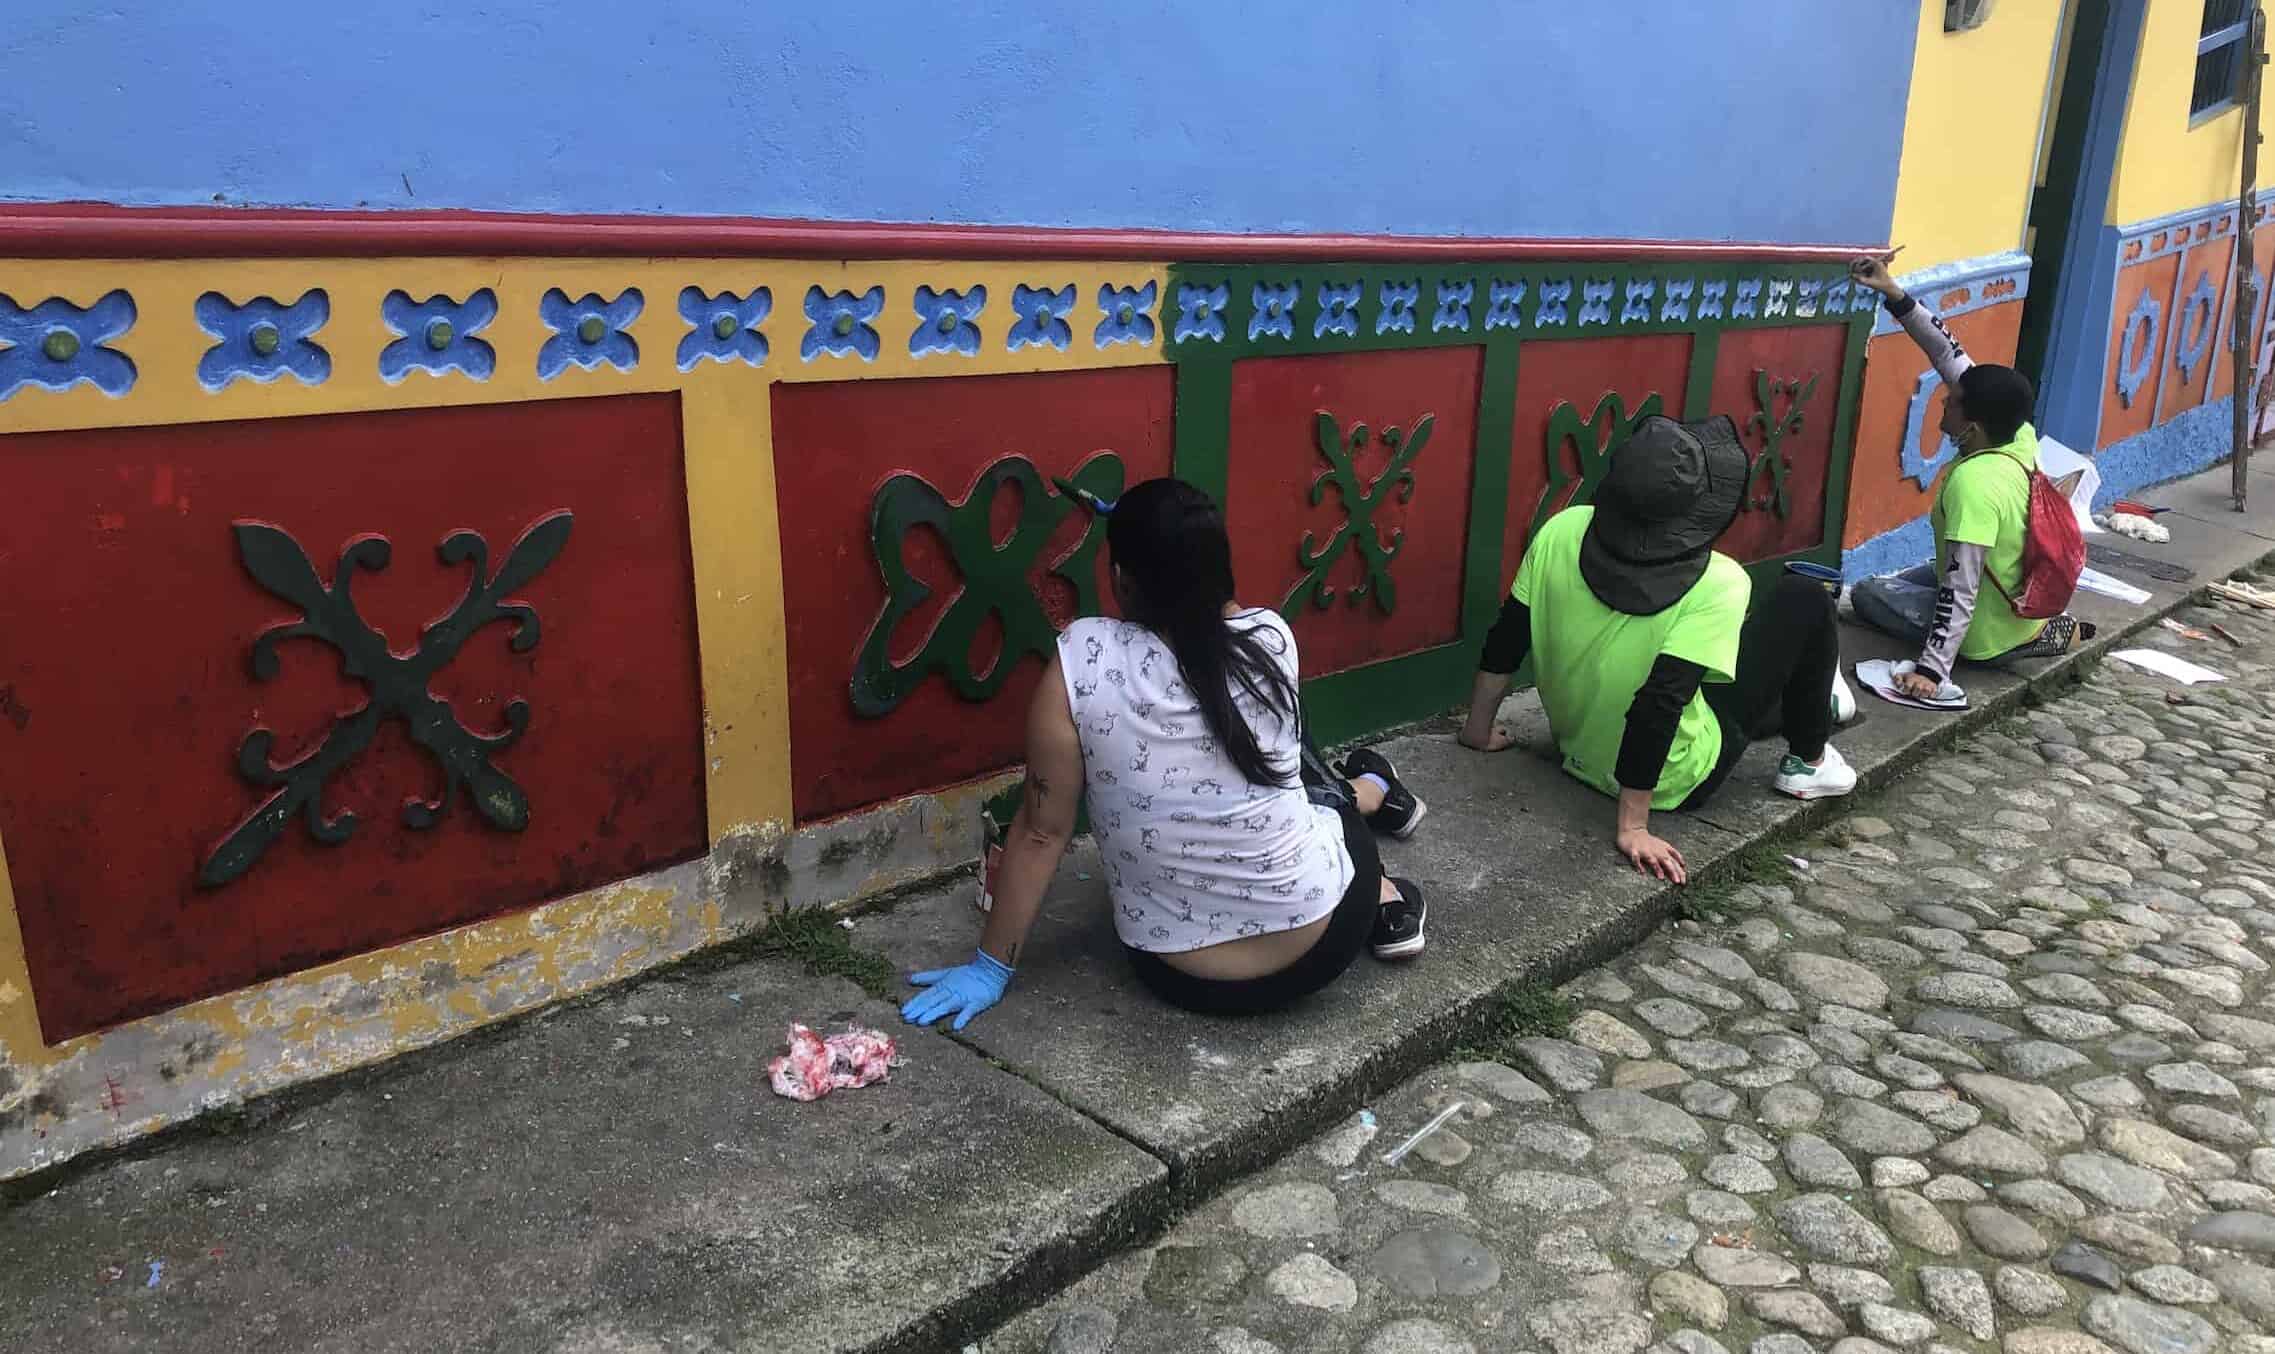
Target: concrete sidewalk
{"type": "Point", "coordinates": [613, 1175]}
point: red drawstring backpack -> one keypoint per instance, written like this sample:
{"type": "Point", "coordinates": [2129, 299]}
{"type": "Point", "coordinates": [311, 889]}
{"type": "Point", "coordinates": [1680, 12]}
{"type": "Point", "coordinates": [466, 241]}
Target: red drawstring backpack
{"type": "Point", "coordinates": [2053, 550]}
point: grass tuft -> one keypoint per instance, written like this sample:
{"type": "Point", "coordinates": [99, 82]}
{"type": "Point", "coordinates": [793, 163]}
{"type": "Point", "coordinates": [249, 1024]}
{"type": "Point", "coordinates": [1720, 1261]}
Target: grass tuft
{"type": "Point", "coordinates": [812, 936]}
{"type": "Point", "coordinates": [1530, 1011]}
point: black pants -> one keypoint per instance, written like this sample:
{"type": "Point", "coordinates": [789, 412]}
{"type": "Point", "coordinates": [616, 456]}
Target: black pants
{"type": "Point", "coordinates": [1348, 927]}
{"type": "Point", "coordinates": [1787, 655]}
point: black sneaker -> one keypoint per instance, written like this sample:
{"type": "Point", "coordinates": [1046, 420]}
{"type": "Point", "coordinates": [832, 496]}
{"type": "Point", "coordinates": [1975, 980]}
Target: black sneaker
{"type": "Point", "coordinates": [1398, 928]}
{"type": "Point", "coordinates": [1401, 810]}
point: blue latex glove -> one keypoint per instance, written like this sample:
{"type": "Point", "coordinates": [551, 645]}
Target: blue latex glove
{"type": "Point", "coordinates": [963, 991]}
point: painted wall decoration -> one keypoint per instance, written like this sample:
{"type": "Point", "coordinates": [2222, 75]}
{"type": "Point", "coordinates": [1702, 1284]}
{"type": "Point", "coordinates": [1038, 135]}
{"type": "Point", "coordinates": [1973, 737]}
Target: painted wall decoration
{"type": "Point", "coordinates": [58, 345]}
{"type": "Point", "coordinates": [993, 592]}
{"type": "Point", "coordinates": [2138, 344]}
{"type": "Point", "coordinates": [1775, 383]}
{"type": "Point", "coordinates": [1360, 498]}
{"type": "Point", "coordinates": [1575, 403]}
{"type": "Point", "coordinates": [397, 686]}
{"type": "Point", "coordinates": [2169, 321]}
{"type": "Point", "coordinates": [194, 548]}
{"type": "Point", "coordinates": [927, 562]}
{"type": "Point", "coordinates": [1348, 498]}
{"type": "Point", "coordinates": [262, 340]}
{"type": "Point", "coordinates": [735, 599]}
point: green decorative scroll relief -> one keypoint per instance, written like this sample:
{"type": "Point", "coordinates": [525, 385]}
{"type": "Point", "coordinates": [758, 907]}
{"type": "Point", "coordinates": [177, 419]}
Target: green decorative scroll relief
{"type": "Point", "coordinates": [1775, 424]}
{"type": "Point", "coordinates": [1360, 499]}
{"type": "Point", "coordinates": [1593, 440]}
{"type": "Point", "coordinates": [994, 578]}
{"type": "Point", "coordinates": [397, 686]}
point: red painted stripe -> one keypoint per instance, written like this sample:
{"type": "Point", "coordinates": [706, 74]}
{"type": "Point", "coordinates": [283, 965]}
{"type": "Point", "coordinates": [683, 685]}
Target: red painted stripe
{"type": "Point", "coordinates": [86, 230]}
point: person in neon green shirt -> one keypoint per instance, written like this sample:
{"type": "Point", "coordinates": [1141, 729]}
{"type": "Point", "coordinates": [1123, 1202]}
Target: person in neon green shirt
{"type": "Point", "coordinates": [1980, 518]}
{"type": "Point", "coordinates": [1653, 676]}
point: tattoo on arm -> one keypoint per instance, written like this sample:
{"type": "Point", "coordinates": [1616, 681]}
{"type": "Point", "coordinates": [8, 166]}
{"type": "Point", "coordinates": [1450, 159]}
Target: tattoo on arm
{"type": "Point", "coordinates": [1038, 790]}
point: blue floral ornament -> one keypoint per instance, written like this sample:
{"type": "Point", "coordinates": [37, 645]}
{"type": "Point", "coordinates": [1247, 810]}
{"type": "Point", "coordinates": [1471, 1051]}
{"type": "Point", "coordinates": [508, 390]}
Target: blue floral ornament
{"type": "Point", "coordinates": [723, 328]}
{"type": "Point", "coordinates": [1127, 314]}
{"type": "Point", "coordinates": [588, 331]}
{"type": "Point", "coordinates": [1200, 311]}
{"type": "Point", "coordinates": [841, 324]}
{"type": "Point", "coordinates": [1674, 303]}
{"type": "Point", "coordinates": [1551, 302]}
{"type": "Point", "coordinates": [946, 321]}
{"type": "Point", "coordinates": [1453, 306]}
{"type": "Point", "coordinates": [1338, 309]}
{"type": "Point", "coordinates": [1042, 317]}
{"type": "Point", "coordinates": [1595, 301]}
{"type": "Point", "coordinates": [1396, 309]}
{"type": "Point", "coordinates": [262, 340]}
{"type": "Point", "coordinates": [438, 335]}
{"type": "Point", "coordinates": [1504, 304]}
{"type": "Point", "coordinates": [1273, 309]}
{"type": "Point", "coordinates": [1637, 310]}
{"type": "Point", "coordinates": [56, 344]}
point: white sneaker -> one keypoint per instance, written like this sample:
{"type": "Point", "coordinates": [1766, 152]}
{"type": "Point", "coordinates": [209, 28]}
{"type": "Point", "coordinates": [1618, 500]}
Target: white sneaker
{"type": "Point", "coordinates": [1844, 700]}
{"type": "Point", "coordinates": [1830, 778]}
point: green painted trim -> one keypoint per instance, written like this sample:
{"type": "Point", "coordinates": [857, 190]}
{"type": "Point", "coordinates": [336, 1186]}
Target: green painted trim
{"type": "Point", "coordinates": [1351, 704]}
{"type": "Point", "coordinates": [1204, 421]}
{"type": "Point", "coordinates": [1698, 391]}
{"type": "Point", "coordinates": [1489, 486]}
{"type": "Point", "coordinates": [1559, 300]}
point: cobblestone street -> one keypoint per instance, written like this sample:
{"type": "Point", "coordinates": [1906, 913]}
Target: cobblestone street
{"type": "Point", "coordinates": [1995, 1070]}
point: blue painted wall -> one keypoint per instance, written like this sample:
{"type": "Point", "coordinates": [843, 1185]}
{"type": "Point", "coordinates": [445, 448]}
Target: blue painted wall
{"type": "Point", "coordinates": [1768, 120]}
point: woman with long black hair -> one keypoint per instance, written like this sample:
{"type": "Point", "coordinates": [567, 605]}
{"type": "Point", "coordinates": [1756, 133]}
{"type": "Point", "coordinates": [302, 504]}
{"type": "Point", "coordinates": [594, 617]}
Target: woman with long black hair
{"type": "Point", "coordinates": [1233, 890]}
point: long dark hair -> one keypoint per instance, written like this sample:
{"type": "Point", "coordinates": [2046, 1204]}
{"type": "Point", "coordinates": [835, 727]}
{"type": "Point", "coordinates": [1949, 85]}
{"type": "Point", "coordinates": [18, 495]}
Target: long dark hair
{"type": "Point", "coordinates": [1168, 539]}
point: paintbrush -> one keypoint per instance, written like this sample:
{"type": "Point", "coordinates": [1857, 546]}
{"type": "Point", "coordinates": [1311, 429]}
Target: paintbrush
{"type": "Point", "coordinates": [1103, 507]}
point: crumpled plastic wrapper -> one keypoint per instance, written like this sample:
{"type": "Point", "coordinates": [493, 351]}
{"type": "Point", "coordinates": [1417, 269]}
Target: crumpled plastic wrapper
{"type": "Point", "coordinates": [2138, 527]}
{"type": "Point", "coordinates": [815, 1066]}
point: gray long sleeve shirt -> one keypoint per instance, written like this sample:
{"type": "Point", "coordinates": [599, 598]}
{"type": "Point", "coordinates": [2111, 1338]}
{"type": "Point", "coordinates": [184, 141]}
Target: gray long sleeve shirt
{"type": "Point", "coordinates": [1963, 564]}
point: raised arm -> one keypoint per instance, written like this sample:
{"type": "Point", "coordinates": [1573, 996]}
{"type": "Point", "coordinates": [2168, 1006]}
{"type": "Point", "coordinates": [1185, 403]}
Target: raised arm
{"type": "Point", "coordinates": [1040, 831]}
{"type": "Point", "coordinates": [1924, 325]}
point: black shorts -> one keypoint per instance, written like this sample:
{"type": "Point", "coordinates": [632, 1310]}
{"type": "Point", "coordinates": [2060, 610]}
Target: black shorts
{"type": "Point", "coordinates": [1348, 928]}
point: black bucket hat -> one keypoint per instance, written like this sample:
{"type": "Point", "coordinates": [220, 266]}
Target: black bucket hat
{"type": "Point", "coordinates": [1671, 491]}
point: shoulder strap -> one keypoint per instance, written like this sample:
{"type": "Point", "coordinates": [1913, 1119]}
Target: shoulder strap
{"type": "Point", "coordinates": [2029, 482]}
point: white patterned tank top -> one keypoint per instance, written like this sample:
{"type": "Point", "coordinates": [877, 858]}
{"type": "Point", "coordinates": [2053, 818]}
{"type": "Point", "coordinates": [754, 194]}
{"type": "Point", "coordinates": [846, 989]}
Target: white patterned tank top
{"type": "Point", "coordinates": [1195, 853]}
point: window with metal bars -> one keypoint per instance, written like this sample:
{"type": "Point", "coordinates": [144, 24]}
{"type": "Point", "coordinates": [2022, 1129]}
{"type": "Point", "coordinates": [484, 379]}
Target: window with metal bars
{"type": "Point", "coordinates": [2219, 57]}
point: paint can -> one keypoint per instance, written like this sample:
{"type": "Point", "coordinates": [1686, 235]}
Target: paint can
{"type": "Point", "coordinates": [992, 837]}
{"type": "Point", "coordinates": [1827, 578]}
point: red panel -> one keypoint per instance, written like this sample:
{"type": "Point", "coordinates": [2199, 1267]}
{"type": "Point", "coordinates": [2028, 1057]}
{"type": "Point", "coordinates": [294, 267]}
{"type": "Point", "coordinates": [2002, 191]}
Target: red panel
{"type": "Point", "coordinates": [835, 444]}
{"type": "Point", "coordinates": [1580, 372]}
{"type": "Point", "coordinates": [1796, 356]}
{"type": "Point", "coordinates": [2119, 421]}
{"type": "Point", "coordinates": [2214, 259]}
{"type": "Point", "coordinates": [1881, 496]}
{"type": "Point", "coordinates": [125, 630]}
{"type": "Point", "coordinates": [1276, 459]}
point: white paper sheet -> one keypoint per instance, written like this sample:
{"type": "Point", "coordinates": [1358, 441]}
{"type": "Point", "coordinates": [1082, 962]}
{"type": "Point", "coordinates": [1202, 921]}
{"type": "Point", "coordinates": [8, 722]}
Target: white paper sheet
{"type": "Point", "coordinates": [1878, 676]}
{"type": "Point", "coordinates": [2168, 665]}
{"type": "Point", "coordinates": [2093, 580]}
